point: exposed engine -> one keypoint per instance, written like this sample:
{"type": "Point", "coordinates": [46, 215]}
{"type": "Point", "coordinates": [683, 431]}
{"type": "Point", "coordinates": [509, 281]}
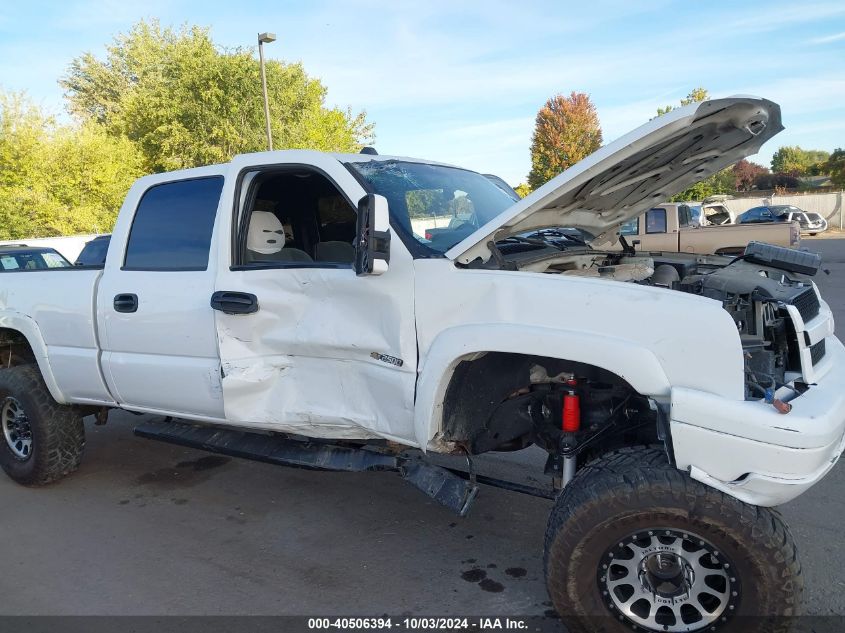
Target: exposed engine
{"type": "Point", "coordinates": [757, 290]}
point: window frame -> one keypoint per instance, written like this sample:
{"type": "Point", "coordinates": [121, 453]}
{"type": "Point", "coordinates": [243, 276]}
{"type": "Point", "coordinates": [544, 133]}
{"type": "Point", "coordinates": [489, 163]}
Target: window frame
{"type": "Point", "coordinates": [665, 222]}
{"type": "Point", "coordinates": [685, 218]}
{"type": "Point", "coordinates": [636, 233]}
{"type": "Point", "coordinates": [180, 269]}
{"type": "Point", "coordinates": [240, 223]}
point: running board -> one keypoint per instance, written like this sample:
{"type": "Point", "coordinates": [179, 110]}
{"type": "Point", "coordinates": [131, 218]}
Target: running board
{"type": "Point", "coordinates": [439, 483]}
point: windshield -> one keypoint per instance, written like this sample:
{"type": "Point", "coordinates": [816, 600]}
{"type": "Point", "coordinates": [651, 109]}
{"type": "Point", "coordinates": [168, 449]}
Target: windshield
{"type": "Point", "coordinates": [438, 205]}
{"type": "Point", "coordinates": [32, 260]}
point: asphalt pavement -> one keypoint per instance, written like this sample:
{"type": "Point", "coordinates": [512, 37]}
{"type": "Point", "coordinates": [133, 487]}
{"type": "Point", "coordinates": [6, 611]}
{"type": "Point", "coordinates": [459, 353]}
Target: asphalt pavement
{"type": "Point", "coordinates": [151, 528]}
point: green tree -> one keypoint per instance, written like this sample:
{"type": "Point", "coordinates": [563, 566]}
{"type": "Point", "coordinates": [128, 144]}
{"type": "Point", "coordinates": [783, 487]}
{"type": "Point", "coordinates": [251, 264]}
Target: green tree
{"type": "Point", "coordinates": [59, 180]}
{"type": "Point", "coordinates": [720, 182]}
{"type": "Point", "coordinates": [566, 130]}
{"type": "Point", "coordinates": [522, 189]}
{"type": "Point", "coordinates": [835, 166]}
{"type": "Point", "coordinates": [791, 159]}
{"type": "Point", "coordinates": [695, 95]}
{"type": "Point", "coordinates": [185, 102]}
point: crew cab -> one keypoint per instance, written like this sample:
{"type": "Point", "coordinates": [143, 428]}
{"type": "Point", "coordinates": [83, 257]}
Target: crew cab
{"type": "Point", "coordinates": [282, 307]}
{"type": "Point", "coordinates": [671, 227]}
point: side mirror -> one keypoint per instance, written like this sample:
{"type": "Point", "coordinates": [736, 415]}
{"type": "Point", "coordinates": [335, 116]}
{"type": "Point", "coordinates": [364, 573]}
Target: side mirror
{"type": "Point", "coordinates": [372, 236]}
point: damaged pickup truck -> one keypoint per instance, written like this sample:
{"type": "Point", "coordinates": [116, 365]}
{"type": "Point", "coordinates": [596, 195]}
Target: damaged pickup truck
{"type": "Point", "coordinates": [284, 309]}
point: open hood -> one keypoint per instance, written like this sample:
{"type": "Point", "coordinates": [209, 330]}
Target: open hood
{"type": "Point", "coordinates": [632, 174]}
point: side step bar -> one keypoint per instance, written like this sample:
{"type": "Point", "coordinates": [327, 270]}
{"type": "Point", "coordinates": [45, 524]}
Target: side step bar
{"type": "Point", "coordinates": [438, 483]}
{"type": "Point", "coordinates": [453, 488]}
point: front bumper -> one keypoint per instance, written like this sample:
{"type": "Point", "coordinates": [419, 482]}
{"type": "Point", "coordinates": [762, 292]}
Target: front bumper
{"type": "Point", "coordinates": [749, 450]}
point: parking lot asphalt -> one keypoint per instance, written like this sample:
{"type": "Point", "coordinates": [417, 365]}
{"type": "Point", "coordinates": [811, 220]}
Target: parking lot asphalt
{"type": "Point", "coordinates": [155, 529]}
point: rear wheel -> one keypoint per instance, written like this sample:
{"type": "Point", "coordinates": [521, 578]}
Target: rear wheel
{"type": "Point", "coordinates": [41, 440]}
{"type": "Point", "coordinates": [633, 543]}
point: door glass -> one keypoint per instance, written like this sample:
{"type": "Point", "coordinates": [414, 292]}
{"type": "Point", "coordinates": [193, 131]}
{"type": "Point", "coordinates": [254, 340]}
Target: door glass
{"type": "Point", "coordinates": [631, 227]}
{"type": "Point", "coordinates": [655, 221]}
{"type": "Point", "coordinates": [173, 225]}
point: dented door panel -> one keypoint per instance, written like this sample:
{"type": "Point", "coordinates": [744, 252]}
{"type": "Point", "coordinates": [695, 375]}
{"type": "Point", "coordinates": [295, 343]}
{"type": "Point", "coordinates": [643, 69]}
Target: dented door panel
{"type": "Point", "coordinates": [327, 354]}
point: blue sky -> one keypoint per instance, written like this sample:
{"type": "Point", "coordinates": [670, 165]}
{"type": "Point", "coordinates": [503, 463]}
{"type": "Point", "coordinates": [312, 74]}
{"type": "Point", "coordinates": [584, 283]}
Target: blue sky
{"type": "Point", "coordinates": [461, 81]}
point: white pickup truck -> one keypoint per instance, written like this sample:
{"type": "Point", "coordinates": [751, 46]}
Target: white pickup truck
{"type": "Point", "coordinates": [283, 305]}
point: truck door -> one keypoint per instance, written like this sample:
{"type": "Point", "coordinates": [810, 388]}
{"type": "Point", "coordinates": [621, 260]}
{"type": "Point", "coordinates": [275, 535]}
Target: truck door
{"type": "Point", "coordinates": [656, 234]}
{"type": "Point", "coordinates": [159, 344]}
{"type": "Point", "coordinates": [307, 346]}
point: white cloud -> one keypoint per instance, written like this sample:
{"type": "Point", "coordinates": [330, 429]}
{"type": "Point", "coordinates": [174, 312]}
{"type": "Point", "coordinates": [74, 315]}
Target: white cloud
{"type": "Point", "coordinates": [828, 38]}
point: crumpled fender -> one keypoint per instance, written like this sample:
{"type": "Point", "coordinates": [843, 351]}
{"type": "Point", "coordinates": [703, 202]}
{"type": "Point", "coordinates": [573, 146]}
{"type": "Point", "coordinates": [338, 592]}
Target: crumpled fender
{"type": "Point", "coordinates": [27, 326]}
{"type": "Point", "coordinates": [636, 364]}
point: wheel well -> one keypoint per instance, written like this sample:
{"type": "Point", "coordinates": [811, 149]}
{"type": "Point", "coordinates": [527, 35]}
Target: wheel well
{"type": "Point", "coordinates": [15, 349]}
{"type": "Point", "coordinates": [506, 401]}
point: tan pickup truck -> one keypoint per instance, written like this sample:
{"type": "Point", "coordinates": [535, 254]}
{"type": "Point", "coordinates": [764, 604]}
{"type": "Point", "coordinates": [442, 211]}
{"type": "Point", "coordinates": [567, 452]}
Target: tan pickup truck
{"type": "Point", "coordinates": [669, 227]}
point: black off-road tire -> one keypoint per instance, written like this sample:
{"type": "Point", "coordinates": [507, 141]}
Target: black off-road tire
{"type": "Point", "coordinates": [58, 434]}
{"type": "Point", "coordinates": [636, 489]}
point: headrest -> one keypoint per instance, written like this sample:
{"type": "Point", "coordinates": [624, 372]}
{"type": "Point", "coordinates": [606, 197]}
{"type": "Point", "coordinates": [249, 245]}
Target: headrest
{"type": "Point", "coordinates": [266, 234]}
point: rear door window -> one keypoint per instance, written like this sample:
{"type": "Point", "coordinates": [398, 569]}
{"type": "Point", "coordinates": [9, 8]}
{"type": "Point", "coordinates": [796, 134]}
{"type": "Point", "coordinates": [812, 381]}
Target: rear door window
{"type": "Point", "coordinates": [655, 221]}
{"type": "Point", "coordinates": [173, 225]}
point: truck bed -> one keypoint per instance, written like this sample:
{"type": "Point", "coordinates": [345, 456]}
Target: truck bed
{"type": "Point", "coordinates": [60, 304]}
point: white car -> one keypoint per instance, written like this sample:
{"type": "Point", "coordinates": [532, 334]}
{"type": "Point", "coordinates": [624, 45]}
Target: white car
{"type": "Point", "coordinates": [283, 306]}
{"type": "Point", "coordinates": [816, 223]}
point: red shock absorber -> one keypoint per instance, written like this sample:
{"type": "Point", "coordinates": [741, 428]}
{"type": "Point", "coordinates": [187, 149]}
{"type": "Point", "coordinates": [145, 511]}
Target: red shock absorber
{"type": "Point", "coordinates": [571, 421]}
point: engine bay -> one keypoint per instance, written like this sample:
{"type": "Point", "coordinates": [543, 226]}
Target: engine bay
{"type": "Point", "coordinates": [756, 289]}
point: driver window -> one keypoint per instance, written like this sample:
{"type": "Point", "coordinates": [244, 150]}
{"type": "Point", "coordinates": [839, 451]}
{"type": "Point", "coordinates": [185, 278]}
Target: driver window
{"type": "Point", "coordinates": [295, 219]}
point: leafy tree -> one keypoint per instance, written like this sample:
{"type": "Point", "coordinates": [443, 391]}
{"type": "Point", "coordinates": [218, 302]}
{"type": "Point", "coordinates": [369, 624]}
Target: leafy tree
{"type": "Point", "coordinates": [791, 159]}
{"type": "Point", "coordinates": [745, 174]}
{"type": "Point", "coordinates": [56, 179]}
{"type": "Point", "coordinates": [566, 130]}
{"type": "Point", "coordinates": [778, 180]}
{"type": "Point", "coordinates": [522, 189]}
{"type": "Point", "coordinates": [185, 102]}
{"type": "Point", "coordinates": [720, 182]}
{"type": "Point", "coordinates": [695, 95]}
{"type": "Point", "coordinates": [835, 166]}
{"type": "Point", "coordinates": [426, 202]}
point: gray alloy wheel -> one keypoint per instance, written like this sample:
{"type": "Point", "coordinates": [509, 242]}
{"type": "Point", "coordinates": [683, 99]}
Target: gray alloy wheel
{"type": "Point", "coordinates": [668, 580]}
{"type": "Point", "coordinates": [16, 428]}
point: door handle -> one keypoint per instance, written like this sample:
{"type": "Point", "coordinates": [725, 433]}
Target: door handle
{"type": "Point", "coordinates": [230, 302]}
{"type": "Point", "coordinates": [126, 303]}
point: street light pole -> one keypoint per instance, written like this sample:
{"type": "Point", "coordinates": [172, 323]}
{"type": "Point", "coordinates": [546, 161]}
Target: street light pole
{"type": "Point", "coordinates": [265, 38]}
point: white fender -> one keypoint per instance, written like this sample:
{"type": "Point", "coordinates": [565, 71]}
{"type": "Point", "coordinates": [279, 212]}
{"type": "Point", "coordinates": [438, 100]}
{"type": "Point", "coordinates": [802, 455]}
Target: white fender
{"type": "Point", "coordinates": [635, 364]}
{"type": "Point", "coordinates": [27, 326]}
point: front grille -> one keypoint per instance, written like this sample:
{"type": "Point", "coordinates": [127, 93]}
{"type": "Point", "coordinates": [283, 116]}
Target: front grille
{"type": "Point", "coordinates": [808, 304]}
{"type": "Point", "coordinates": [817, 351]}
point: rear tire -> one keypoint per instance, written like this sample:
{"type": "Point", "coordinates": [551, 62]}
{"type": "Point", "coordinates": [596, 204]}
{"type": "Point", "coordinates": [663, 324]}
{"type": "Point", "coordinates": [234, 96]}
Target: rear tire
{"type": "Point", "coordinates": [724, 559]}
{"type": "Point", "coordinates": [41, 440]}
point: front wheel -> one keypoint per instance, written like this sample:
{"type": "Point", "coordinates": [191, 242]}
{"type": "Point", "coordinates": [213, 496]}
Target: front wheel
{"type": "Point", "coordinates": [41, 440]}
{"type": "Point", "coordinates": [635, 544]}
